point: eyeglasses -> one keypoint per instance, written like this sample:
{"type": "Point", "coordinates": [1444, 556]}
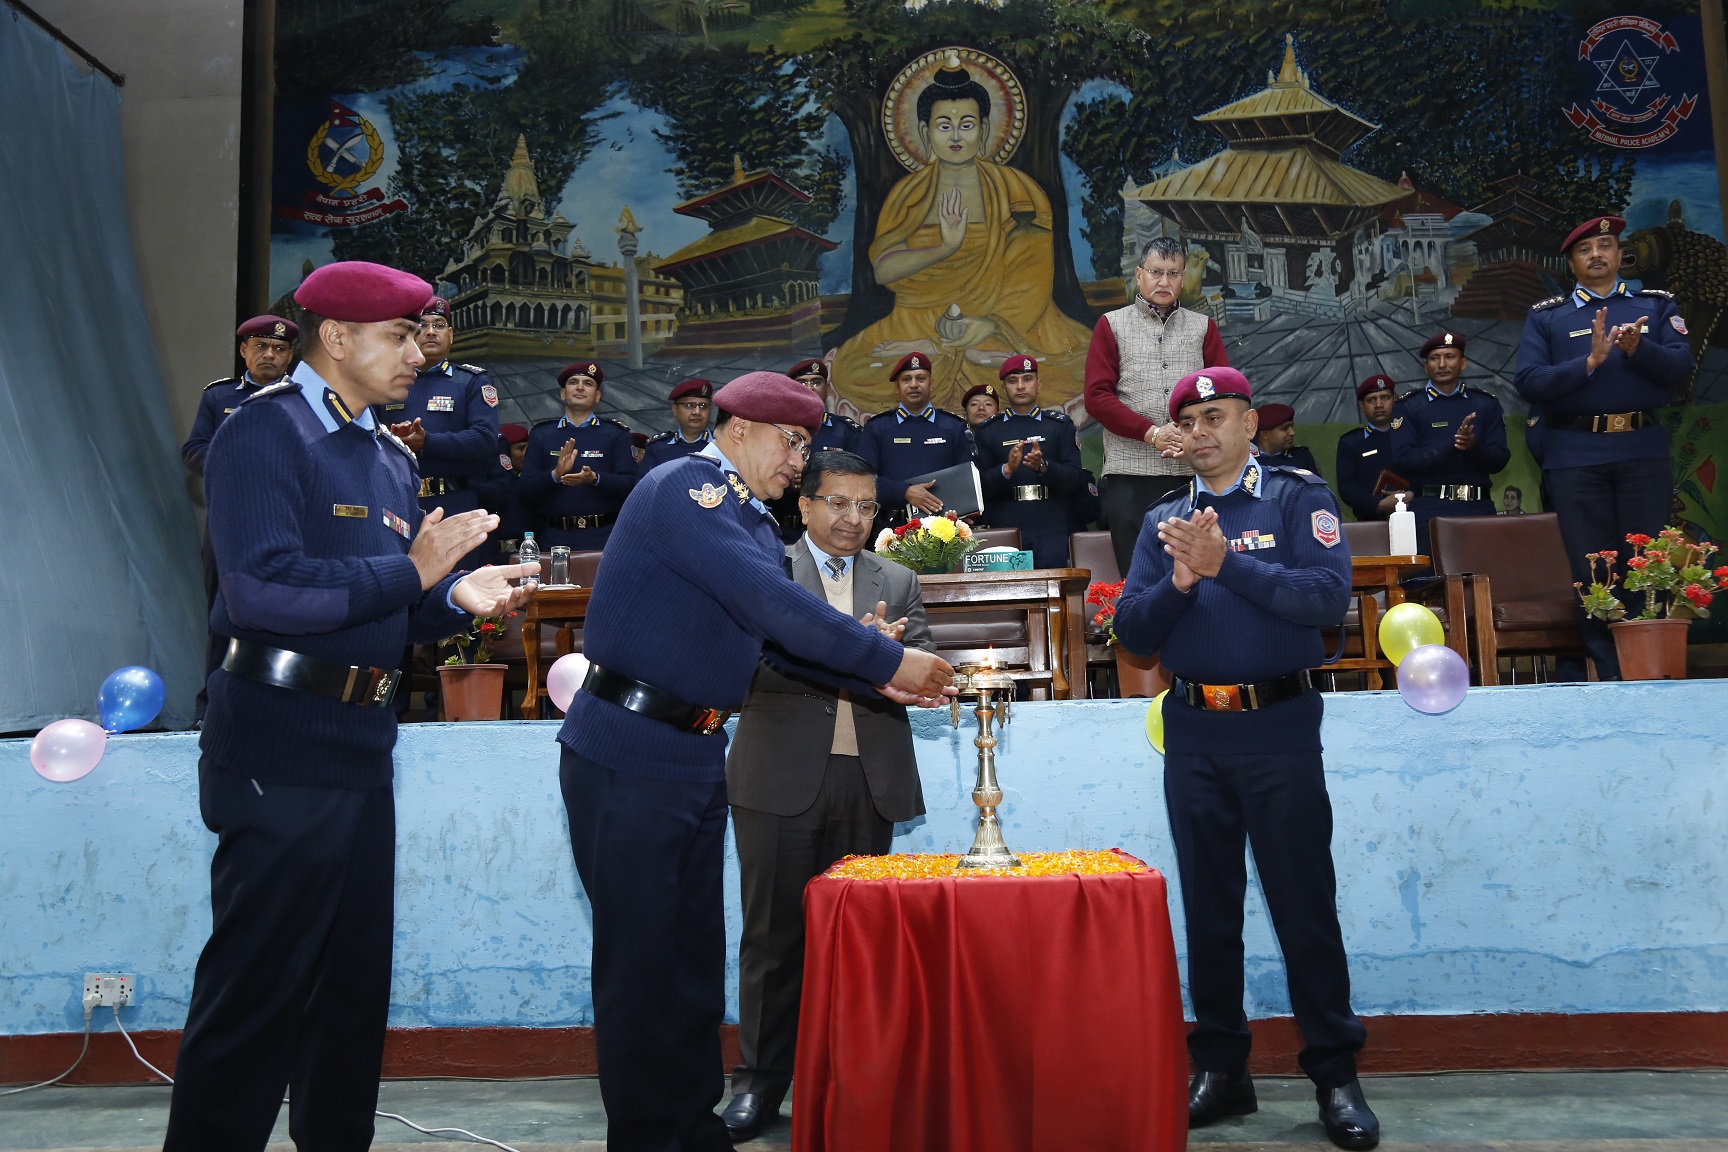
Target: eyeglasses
{"type": "Point", "coordinates": [435, 326]}
{"type": "Point", "coordinates": [694, 405]}
{"type": "Point", "coordinates": [794, 442]}
{"type": "Point", "coordinates": [840, 505]}
{"type": "Point", "coordinates": [1157, 274]}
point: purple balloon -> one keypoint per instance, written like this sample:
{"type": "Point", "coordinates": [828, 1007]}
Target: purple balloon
{"type": "Point", "coordinates": [67, 749]}
{"type": "Point", "coordinates": [1433, 679]}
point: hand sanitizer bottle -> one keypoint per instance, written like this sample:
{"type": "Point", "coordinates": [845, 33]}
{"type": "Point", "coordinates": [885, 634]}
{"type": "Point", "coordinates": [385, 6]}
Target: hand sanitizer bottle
{"type": "Point", "coordinates": [1401, 529]}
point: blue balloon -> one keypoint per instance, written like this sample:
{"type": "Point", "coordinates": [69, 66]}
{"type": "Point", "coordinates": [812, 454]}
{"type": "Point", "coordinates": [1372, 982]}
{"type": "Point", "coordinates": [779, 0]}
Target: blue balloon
{"type": "Point", "coordinates": [130, 698]}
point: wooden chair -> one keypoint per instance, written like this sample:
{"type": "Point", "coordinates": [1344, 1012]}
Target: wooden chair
{"type": "Point", "coordinates": [970, 637]}
{"type": "Point", "coordinates": [1518, 582]}
{"type": "Point", "coordinates": [1360, 648]}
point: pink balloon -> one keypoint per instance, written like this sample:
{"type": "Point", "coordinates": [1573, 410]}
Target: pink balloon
{"type": "Point", "coordinates": [564, 677]}
{"type": "Point", "coordinates": [67, 749]}
{"type": "Point", "coordinates": [1433, 679]}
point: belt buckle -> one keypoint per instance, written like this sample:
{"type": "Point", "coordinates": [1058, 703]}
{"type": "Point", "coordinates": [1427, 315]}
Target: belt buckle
{"type": "Point", "coordinates": [384, 687]}
{"type": "Point", "coordinates": [1619, 422]}
{"type": "Point", "coordinates": [1221, 697]}
{"type": "Point", "coordinates": [425, 488]}
{"type": "Point", "coordinates": [711, 720]}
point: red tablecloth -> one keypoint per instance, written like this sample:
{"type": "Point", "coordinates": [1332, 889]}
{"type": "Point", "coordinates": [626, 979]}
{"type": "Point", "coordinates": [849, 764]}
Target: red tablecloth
{"type": "Point", "coordinates": [1014, 1014]}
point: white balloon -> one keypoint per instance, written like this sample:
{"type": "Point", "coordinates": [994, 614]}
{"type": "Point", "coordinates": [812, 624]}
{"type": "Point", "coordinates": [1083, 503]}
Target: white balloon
{"type": "Point", "coordinates": [564, 677]}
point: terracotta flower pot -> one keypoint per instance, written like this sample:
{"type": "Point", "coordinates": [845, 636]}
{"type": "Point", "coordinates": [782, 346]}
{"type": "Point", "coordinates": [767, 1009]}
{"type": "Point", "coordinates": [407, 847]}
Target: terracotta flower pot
{"type": "Point", "coordinates": [1651, 649]}
{"type": "Point", "coordinates": [1139, 675]}
{"type": "Point", "coordinates": [471, 691]}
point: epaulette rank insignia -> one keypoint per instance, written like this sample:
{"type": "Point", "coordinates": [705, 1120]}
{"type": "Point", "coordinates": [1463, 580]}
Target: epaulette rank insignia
{"type": "Point", "coordinates": [276, 389]}
{"type": "Point", "coordinates": [385, 434]}
{"type": "Point", "coordinates": [738, 486]}
{"type": "Point", "coordinates": [1548, 303]}
{"type": "Point", "coordinates": [474, 368]}
{"type": "Point", "coordinates": [1654, 292]}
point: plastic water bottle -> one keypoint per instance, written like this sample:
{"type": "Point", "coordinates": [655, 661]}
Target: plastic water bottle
{"type": "Point", "coordinates": [530, 554]}
{"type": "Point", "coordinates": [1401, 530]}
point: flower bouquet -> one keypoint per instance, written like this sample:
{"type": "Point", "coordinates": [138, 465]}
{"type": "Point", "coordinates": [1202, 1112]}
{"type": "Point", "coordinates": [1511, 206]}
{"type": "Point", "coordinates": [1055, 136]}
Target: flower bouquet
{"type": "Point", "coordinates": [929, 545]}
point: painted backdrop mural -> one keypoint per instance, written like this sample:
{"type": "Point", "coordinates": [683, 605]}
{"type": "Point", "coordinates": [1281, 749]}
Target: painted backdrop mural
{"type": "Point", "coordinates": [858, 178]}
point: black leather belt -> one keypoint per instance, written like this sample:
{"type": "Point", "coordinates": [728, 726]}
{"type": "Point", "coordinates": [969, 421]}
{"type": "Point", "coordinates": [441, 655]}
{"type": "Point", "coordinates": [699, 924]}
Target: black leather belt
{"type": "Point", "coordinates": [351, 684]}
{"type": "Point", "coordinates": [1031, 492]}
{"type": "Point", "coordinates": [566, 523]}
{"type": "Point", "coordinates": [440, 485]}
{"type": "Point", "coordinates": [649, 701]}
{"type": "Point", "coordinates": [1454, 491]}
{"type": "Point", "coordinates": [1241, 697]}
{"type": "Point", "coordinates": [1606, 422]}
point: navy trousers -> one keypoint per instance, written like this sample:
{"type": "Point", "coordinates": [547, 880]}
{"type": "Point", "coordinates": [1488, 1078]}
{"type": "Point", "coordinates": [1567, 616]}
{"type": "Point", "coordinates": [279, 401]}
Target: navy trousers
{"type": "Point", "coordinates": [215, 646]}
{"type": "Point", "coordinates": [649, 854]}
{"type": "Point", "coordinates": [1598, 507]}
{"type": "Point", "coordinates": [1277, 803]}
{"type": "Point", "coordinates": [293, 987]}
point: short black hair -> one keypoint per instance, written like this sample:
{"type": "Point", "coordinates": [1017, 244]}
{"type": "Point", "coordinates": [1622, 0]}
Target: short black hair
{"type": "Point", "coordinates": [952, 84]}
{"type": "Point", "coordinates": [832, 462]}
{"type": "Point", "coordinates": [310, 322]}
{"type": "Point", "coordinates": [1166, 246]}
{"type": "Point", "coordinates": [1514, 488]}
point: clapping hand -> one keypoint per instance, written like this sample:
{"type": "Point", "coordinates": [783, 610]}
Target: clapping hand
{"type": "Point", "coordinates": [488, 591]}
{"type": "Point", "coordinates": [1600, 341]}
{"type": "Point", "coordinates": [1626, 335]}
{"type": "Point", "coordinates": [411, 433]}
{"type": "Point", "coordinates": [893, 629]}
{"type": "Point", "coordinates": [1465, 438]}
{"type": "Point", "coordinates": [566, 461]}
{"type": "Point", "coordinates": [443, 540]}
{"type": "Point", "coordinates": [1196, 545]}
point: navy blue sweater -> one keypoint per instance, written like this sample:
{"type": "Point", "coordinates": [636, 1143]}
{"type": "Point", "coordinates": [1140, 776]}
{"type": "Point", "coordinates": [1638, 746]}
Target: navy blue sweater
{"type": "Point", "coordinates": [1259, 618]}
{"type": "Point", "coordinates": [692, 583]}
{"type": "Point", "coordinates": [311, 533]}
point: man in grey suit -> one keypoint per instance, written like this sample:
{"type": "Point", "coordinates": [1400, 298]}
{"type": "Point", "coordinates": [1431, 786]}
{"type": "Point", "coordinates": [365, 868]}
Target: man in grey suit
{"type": "Point", "coordinates": [813, 775]}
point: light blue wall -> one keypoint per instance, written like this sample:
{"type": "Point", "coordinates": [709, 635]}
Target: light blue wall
{"type": "Point", "coordinates": [1540, 849]}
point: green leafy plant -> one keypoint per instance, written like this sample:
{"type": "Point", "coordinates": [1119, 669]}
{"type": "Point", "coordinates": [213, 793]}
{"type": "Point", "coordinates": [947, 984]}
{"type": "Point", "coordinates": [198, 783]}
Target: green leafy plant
{"type": "Point", "coordinates": [474, 646]}
{"type": "Point", "coordinates": [1669, 569]}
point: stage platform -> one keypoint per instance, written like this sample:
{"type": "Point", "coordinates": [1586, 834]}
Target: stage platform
{"type": "Point", "coordinates": [1539, 879]}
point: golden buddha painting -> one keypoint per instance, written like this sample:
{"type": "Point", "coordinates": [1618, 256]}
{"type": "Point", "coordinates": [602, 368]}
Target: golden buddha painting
{"type": "Point", "coordinates": [964, 243]}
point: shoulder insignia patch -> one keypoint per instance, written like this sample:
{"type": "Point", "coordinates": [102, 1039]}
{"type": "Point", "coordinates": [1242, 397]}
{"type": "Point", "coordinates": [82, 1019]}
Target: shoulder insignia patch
{"type": "Point", "coordinates": [504, 462]}
{"type": "Point", "coordinates": [489, 394]}
{"type": "Point", "coordinates": [224, 380]}
{"type": "Point", "coordinates": [1548, 303]}
{"type": "Point", "coordinates": [709, 495]}
{"type": "Point", "coordinates": [1654, 292]}
{"type": "Point", "coordinates": [1397, 422]}
{"type": "Point", "coordinates": [1326, 528]}
{"type": "Point", "coordinates": [1679, 323]}
{"type": "Point", "coordinates": [620, 423]}
{"type": "Point", "coordinates": [474, 368]}
{"type": "Point", "coordinates": [385, 434]}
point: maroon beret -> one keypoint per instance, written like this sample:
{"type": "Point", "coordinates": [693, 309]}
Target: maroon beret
{"type": "Point", "coordinates": [771, 398]}
{"type": "Point", "coordinates": [910, 362]}
{"type": "Point", "coordinates": [1272, 415]}
{"type": "Point", "coordinates": [359, 292]}
{"type": "Point", "coordinates": [809, 368]}
{"type": "Point", "coordinates": [436, 306]}
{"type": "Point", "coordinates": [1442, 340]}
{"type": "Point", "coordinates": [269, 327]}
{"type": "Point", "coordinates": [1376, 383]}
{"type": "Point", "coordinates": [513, 433]}
{"type": "Point", "coordinates": [695, 386]}
{"type": "Point", "coordinates": [1595, 226]}
{"type": "Point", "coordinates": [638, 440]}
{"type": "Point", "coordinates": [588, 368]}
{"type": "Point", "coordinates": [1016, 364]}
{"type": "Point", "coordinates": [978, 390]}
{"type": "Point", "coordinates": [1209, 384]}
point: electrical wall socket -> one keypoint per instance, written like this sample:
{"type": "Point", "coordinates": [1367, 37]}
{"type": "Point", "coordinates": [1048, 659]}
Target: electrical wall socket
{"type": "Point", "coordinates": [108, 990]}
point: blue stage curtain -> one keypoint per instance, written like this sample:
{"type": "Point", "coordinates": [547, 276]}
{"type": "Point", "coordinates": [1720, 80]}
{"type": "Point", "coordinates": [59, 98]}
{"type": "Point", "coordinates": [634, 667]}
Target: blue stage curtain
{"type": "Point", "coordinates": [100, 544]}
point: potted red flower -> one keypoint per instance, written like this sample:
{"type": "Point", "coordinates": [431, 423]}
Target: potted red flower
{"type": "Point", "coordinates": [1136, 675]}
{"type": "Point", "coordinates": [1671, 571]}
{"type": "Point", "coordinates": [471, 686]}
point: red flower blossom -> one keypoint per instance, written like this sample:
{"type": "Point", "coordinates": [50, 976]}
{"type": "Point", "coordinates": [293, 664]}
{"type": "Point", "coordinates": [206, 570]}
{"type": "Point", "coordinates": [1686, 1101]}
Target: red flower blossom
{"type": "Point", "coordinates": [1638, 540]}
{"type": "Point", "coordinates": [1698, 596]}
{"type": "Point", "coordinates": [487, 628]}
{"type": "Point", "coordinates": [1689, 448]}
{"type": "Point", "coordinates": [1721, 573]}
{"type": "Point", "coordinates": [1638, 562]}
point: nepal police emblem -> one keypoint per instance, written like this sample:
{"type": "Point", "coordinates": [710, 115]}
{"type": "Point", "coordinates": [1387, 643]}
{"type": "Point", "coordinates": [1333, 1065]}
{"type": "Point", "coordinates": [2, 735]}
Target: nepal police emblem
{"type": "Point", "coordinates": [709, 495]}
{"type": "Point", "coordinates": [1326, 529]}
{"type": "Point", "coordinates": [1627, 107]}
{"type": "Point", "coordinates": [344, 153]}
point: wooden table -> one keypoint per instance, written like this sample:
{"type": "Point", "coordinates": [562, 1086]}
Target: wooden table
{"type": "Point", "coordinates": [1054, 600]}
{"type": "Point", "coordinates": [1368, 575]}
{"type": "Point", "coordinates": [562, 606]}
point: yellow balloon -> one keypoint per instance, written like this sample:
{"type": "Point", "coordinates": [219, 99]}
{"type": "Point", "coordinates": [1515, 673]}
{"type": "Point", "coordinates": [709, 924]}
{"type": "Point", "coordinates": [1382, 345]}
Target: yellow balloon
{"type": "Point", "coordinates": [1155, 721]}
{"type": "Point", "coordinates": [1406, 627]}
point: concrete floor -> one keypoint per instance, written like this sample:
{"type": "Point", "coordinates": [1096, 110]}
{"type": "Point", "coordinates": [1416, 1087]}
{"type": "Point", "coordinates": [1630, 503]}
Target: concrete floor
{"type": "Point", "coordinates": [1528, 1112]}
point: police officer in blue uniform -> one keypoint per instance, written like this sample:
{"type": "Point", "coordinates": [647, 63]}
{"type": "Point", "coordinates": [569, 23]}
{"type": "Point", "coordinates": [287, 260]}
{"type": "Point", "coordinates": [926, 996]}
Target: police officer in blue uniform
{"type": "Point", "coordinates": [1277, 439]}
{"type": "Point", "coordinates": [692, 401]}
{"type": "Point", "coordinates": [691, 585]}
{"type": "Point", "coordinates": [500, 492]}
{"type": "Point", "coordinates": [1595, 365]}
{"type": "Point", "coordinates": [1448, 440]}
{"type": "Point", "coordinates": [1029, 466]}
{"type": "Point", "coordinates": [579, 467]}
{"type": "Point", "coordinates": [328, 569]}
{"type": "Point", "coordinates": [267, 347]}
{"type": "Point", "coordinates": [1366, 452]}
{"type": "Point", "coordinates": [837, 431]}
{"type": "Point", "coordinates": [1233, 582]}
{"type": "Point", "coordinates": [915, 438]}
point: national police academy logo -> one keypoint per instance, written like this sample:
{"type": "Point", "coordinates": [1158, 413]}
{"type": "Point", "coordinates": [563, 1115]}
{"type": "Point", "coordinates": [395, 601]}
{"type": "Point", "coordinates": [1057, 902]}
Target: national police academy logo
{"type": "Point", "coordinates": [1628, 108]}
{"type": "Point", "coordinates": [343, 154]}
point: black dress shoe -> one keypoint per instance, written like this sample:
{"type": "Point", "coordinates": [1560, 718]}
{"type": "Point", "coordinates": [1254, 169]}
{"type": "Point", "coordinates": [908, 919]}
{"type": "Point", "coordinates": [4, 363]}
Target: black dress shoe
{"type": "Point", "coordinates": [1215, 1095]}
{"type": "Point", "coordinates": [1349, 1121]}
{"type": "Point", "coordinates": [746, 1116]}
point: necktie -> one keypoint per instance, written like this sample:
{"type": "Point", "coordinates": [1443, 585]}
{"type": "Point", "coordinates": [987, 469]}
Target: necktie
{"type": "Point", "coordinates": [836, 567]}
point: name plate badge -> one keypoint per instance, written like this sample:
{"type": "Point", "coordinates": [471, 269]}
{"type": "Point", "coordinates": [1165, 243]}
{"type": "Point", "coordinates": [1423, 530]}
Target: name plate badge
{"type": "Point", "coordinates": [350, 511]}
